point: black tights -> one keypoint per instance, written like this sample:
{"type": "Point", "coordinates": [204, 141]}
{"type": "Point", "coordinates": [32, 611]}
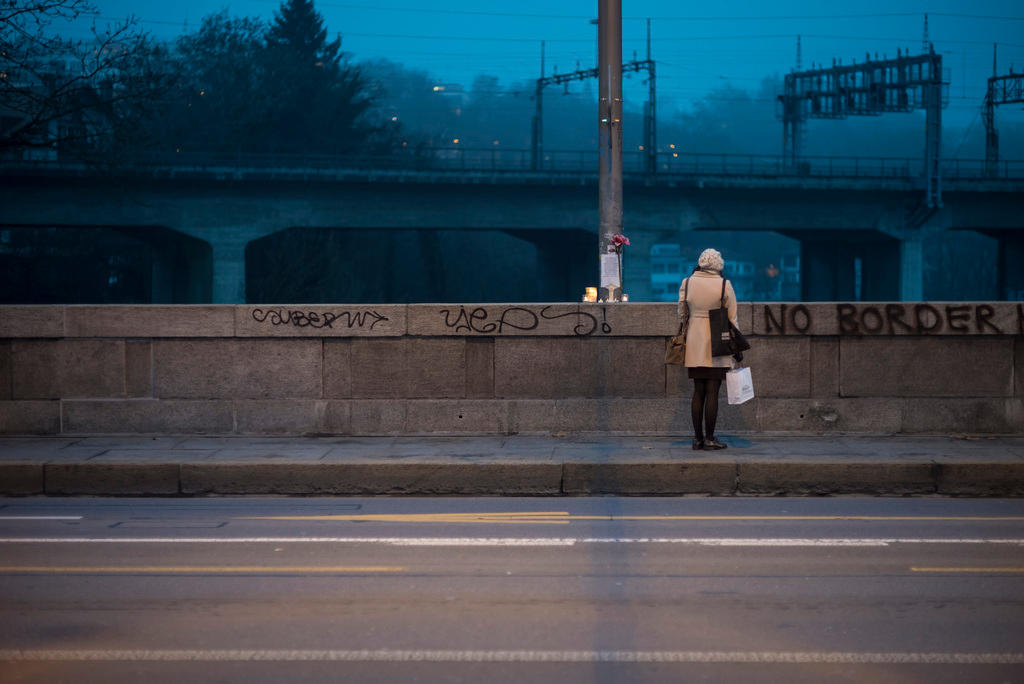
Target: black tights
{"type": "Point", "coordinates": [705, 405]}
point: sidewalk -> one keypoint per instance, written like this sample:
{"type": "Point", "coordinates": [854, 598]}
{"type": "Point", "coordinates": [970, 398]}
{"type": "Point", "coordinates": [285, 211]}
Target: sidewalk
{"type": "Point", "coordinates": [512, 465]}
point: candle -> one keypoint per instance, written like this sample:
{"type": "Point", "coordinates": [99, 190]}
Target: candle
{"type": "Point", "coordinates": [591, 294]}
{"type": "Point", "coordinates": [625, 297]}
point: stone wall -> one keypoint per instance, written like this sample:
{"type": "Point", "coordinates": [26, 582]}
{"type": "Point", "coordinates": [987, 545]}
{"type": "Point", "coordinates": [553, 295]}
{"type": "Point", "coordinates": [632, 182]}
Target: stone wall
{"type": "Point", "coordinates": [500, 368]}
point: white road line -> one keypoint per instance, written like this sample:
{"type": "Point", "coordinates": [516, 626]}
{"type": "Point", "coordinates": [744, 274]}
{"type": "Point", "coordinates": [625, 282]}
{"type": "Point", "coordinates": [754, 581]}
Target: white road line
{"type": "Point", "coordinates": [508, 541]}
{"type": "Point", "coordinates": [524, 656]}
{"type": "Point", "coordinates": [40, 517]}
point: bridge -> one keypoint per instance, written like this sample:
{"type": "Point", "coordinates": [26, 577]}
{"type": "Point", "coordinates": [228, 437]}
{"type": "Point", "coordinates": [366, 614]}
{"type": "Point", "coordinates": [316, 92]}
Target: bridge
{"type": "Point", "coordinates": [203, 214]}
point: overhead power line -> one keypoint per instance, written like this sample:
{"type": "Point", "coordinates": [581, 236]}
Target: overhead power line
{"type": "Point", "coordinates": [583, 17]}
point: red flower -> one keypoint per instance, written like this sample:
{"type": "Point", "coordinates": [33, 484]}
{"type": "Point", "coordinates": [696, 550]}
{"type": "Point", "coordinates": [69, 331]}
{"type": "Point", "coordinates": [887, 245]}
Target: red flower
{"type": "Point", "coordinates": [620, 240]}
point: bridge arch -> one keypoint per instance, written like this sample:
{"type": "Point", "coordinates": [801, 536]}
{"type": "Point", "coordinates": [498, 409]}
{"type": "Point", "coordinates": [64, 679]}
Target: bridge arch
{"type": "Point", "coordinates": [102, 264]}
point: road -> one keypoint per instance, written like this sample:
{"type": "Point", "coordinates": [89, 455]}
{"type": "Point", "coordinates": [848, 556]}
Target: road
{"type": "Point", "coordinates": [505, 590]}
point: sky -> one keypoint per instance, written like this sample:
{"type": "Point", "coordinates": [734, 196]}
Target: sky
{"type": "Point", "coordinates": [698, 46]}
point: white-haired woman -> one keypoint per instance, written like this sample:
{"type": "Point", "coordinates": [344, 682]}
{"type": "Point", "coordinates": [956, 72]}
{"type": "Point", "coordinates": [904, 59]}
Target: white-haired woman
{"type": "Point", "coordinates": [703, 291]}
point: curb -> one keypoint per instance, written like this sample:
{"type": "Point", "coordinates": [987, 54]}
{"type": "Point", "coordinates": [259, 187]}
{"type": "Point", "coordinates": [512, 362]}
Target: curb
{"type": "Point", "coordinates": [720, 478]}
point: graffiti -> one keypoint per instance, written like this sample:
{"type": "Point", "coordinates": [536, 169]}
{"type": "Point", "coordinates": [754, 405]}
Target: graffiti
{"type": "Point", "coordinates": [801, 325]}
{"type": "Point", "coordinates": [312, 319]}
{"type": "Point", "coordinates": [917, 319]}
{"type": "Point", "coordinates": [479, 320]}
{"type": "Point", "coordinates": [893, 319]}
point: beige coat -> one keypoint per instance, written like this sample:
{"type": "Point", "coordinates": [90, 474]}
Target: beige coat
{"type": "Point", "coordinates": [704, 294]}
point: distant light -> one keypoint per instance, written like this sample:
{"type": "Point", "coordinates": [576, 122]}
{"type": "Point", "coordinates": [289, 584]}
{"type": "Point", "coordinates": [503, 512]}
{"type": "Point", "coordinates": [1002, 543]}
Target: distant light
{"type": "Point", "coordinates": [495, 142]}
{"type": "Point", "coordinates": [641, 147]}
{"type": "Point", "coordinates": [394, 118]}
{"type": "Point", "coordinates": [438, 89]}
{"type": "Point", "coordinates": [456, 141]}
{"type": "Point", "coordinates": [675, 154]}
{"type": "Point", "coordinates": [404, 143]}
{"type": "Point", "coordinates": [202, 92]}
{"type": "Point", "coordinates": [672, 147]}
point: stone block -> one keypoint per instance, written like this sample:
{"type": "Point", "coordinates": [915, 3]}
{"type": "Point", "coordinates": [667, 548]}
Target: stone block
{"type": "Point", "coordinates": [338, 418]}
{"type": "Point", "coordinates": [660, 319]}
{"type": "Point", "coordinates": [379, 368]}
{"type": "Point", "coordinates": [538, 368]}
{"type": "Point", "coordinates": [479, 368]}
{"type": "Point", "coordinates": [31, 321]}
{"type": "Point", "coordinates": [280, 416]}
{"type": "Point", "coordinates": [648, 479]}
{"type": "Point", "coordinates": [5, 370]}
{"type": "Point", "coordinates": [54, 369]}
{"type": "Point", "coordinates": [237, 369]}
{"type": "Point", "coordinates": [793, 318]}
{"type": "Point", "coordinates": [926, 367]}
{"type": "Point", "coordinates": [532, 416]}
{"type": "Point", "coordinates": [370, 479]}
{"type": "Point", "coordinates": [428, 416]}
{"type": "Point", "coordinates": [21, 479]}
{"type": "Point", "coordinates": [824, 367]}
{"type": "Point", "coordinates": [780, 366]}
{"type": "Point", "coordinates": [615, 319]}
{"type": "Point", "coordinates": [645, 416]}
{"type": "Point", "coordinates": [745, 317]}
{"type": "Point", "coordinates": [105, 479]}
{"type": "Point", "coordinates": [147, 416]}
{"type": "Point", "coordinates": [622, 367]}
{"type": "Point", "coordinates": [337, 369]}
{"type": "Point", "coordinates": [30, 417]}
{"type": "Point", "coordinates": [500, 320]}
{"type": "Point", "coordinates": [808, 478]}
{"type": "Point", "coordinates": [316, 320]}
{"type": "Point", "coordinates": [822, 416]}
{"type": "Point", "coordinates": [435, 367]}
{"type": "Point", "coordinates": [138, 368]}
{"type": "Point", "coordinates": [970, 416]}
{"type": "Point", "coordinates": [981, 479]}
{"type": "Point", "coordinates": [175, 320]}
{"type": "Point", "coordinates": [1018, 367]}
{"type": "Point", "coordinates": [377, 417]}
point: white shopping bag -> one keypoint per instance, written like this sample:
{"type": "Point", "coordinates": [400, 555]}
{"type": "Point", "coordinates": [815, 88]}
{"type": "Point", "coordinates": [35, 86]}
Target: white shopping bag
{"type": "Point", "coordinates": [739, 385]}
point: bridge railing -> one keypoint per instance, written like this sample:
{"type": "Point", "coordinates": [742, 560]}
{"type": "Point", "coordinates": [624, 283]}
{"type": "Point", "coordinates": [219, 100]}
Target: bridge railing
{"type": "Point", "coordinates": [578, 162]}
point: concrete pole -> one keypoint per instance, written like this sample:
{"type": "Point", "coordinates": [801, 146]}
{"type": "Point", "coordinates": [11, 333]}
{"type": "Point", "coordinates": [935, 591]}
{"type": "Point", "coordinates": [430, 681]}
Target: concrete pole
{"type": "Point", "coordinates": [609, 24]}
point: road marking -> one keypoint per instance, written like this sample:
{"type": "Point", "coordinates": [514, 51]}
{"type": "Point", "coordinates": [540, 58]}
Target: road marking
{"type": "Point", "coordinates": [532, 518]}
{"type": "Point", "coordinates": [197, 569]}
{"type": "Point", "coordinates": [520, 656]}
{"type": "Point", "coordinates": [40, 517]}
{"type": "Point", "coordinates": [983, 570]}
{"type": "Point", "coordinates": [508, 541]}
{"type": "Point", "coordinates": [563, 517]}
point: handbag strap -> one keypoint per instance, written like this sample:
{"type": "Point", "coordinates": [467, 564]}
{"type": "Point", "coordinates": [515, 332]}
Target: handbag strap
{"type": "Point", "coordinates": [722, 297]}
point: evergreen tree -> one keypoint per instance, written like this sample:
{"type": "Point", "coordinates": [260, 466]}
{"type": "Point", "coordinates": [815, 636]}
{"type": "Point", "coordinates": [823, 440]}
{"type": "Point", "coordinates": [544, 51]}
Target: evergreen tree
{"type": "Point", "coordinates": [321, 101]}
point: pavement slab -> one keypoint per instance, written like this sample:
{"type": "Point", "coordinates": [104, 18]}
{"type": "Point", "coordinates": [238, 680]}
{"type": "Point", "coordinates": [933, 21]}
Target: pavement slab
{"type": "Point", "coordinates": [559, 464]}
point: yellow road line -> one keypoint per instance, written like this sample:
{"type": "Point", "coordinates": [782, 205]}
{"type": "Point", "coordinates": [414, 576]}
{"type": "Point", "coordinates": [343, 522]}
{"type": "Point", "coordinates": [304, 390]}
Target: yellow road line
{"type": "Point", "coordinates": [196, 569]}
{"type": "Point", "coordinates": [980, 570]}
{"type": "Point", "coordinates": [563, 517]}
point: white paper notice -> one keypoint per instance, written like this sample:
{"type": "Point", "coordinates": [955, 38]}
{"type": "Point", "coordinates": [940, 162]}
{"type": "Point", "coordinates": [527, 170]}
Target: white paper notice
{"type": "Point", "coordinates": [610, 270]}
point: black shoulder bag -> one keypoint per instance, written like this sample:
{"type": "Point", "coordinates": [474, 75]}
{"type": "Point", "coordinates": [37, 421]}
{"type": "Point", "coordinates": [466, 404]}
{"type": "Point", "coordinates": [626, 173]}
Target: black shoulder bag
{"type": "Point", "coordinates": [726, 339]}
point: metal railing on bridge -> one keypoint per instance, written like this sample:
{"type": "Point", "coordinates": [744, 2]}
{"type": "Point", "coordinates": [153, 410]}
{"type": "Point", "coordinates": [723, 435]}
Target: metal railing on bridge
{"type": "Point", "coordinates": [555, 162]}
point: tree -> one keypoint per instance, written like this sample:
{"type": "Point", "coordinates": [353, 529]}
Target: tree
{"type": "Point", "coordinates": [220, 101]}
{"type": "Point", "coordinates": [76, 96]}
{"type": "Point", "coordinates": [321, 101]}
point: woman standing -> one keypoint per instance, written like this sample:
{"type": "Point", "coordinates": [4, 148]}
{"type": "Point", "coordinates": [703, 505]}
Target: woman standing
{"type": "Point", "coordinates": [703, 291]}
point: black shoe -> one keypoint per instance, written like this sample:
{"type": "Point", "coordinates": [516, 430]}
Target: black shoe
{"type": "Point", "coordinates": [712, 444]}
{"type": "Point", "coordinates": [698, 444]}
